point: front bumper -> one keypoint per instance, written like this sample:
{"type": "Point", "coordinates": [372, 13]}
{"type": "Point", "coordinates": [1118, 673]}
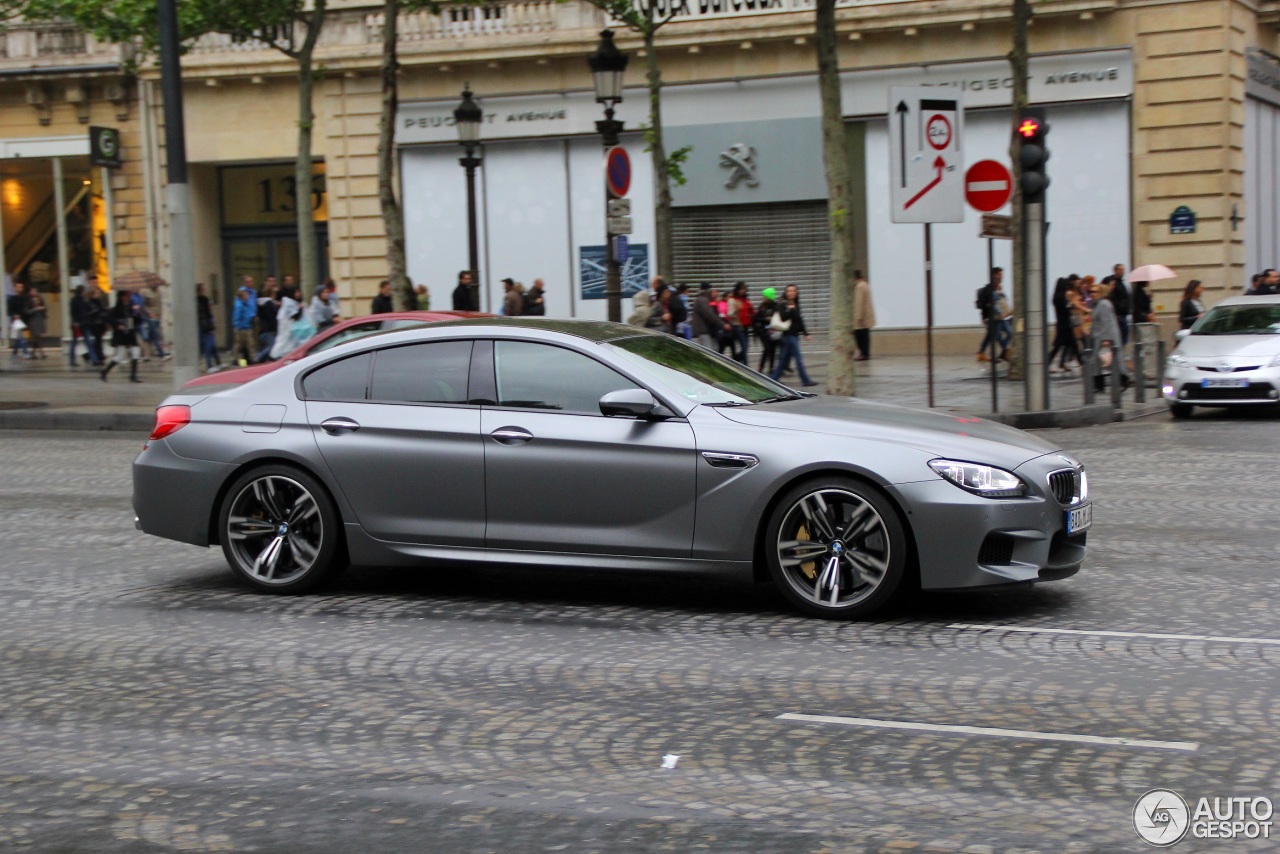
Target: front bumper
{"type": "Point", "coordinates": [1186, 385]}
{"type": "Point", "coordinates": [965, 541]}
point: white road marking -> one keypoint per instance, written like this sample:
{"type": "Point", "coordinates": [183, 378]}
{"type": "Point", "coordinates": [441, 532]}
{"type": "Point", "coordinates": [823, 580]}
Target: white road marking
{"type": "Point", "coordinates": [984, 186]}
{"type": "Point", "coordinates": [1108, 634]}
{"type": "Point", "coordinates": [1188, 746]}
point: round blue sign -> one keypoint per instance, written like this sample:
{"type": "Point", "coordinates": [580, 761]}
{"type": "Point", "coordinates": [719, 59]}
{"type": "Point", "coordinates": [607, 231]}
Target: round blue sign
{"type": "Point", "coordinates": [617, 171]}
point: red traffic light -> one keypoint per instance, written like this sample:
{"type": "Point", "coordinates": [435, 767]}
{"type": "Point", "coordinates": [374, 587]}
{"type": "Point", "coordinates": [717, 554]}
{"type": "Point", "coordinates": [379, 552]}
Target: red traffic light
{"type": "Point", "coordinates": [1029, 128]}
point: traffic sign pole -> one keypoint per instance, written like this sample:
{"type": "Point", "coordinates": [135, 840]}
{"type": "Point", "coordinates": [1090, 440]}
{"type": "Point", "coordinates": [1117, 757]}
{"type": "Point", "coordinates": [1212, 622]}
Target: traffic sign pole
{"type": "Point", "coordinates": [928, 306]}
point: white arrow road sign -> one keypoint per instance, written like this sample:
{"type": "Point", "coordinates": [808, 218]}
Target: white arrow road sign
{"type": "Point", "coordinates": [926, 181]}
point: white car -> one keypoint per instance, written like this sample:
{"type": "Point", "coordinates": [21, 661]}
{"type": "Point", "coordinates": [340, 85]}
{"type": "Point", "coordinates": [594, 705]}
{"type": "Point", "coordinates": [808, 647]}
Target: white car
{"type": "Point", "coordinates": [1231, 357]}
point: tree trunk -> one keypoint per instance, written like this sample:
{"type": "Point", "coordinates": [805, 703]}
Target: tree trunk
{"type": "Point", "coordinates": [657, 150]}
{"type": "Point", "coordinates": [308, 254]}
{"type": "Point", "coordinates": [392, 216]}
{"type": "Point", "coordinates": [835, 155]}
{"type": "Point", "coordinates": [1018, 67]}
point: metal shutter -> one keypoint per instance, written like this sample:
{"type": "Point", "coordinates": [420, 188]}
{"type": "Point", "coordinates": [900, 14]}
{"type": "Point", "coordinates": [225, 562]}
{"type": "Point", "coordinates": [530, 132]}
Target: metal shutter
{"type": "Point", "coordinates": [764, 245]}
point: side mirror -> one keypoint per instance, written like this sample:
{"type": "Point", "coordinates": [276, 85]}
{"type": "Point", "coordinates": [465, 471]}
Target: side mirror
{"type": "Point", "coordinates": [1181, 333]}
{"type": "Point", "coordinates": [628, 403]}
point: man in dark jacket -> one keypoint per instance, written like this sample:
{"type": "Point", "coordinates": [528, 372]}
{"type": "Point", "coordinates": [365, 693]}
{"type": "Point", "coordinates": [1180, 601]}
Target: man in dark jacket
{"type": "Point", "coordinates": [986, 304]}
{"type": "Point", "coordinates": [17, 304]}
{"type": "Point", "coordinates": [81, 330]}
{"type": "Point", "coordinates": [382, 302]}
{"type": "Point", "coordinates": [1120, 300]}
{"type": "Point", "coordinates": [706, 321]}
{"type": "Point", "coordinates": [535, 303]}
{"type": "Point", "coordinates": [466, 295]}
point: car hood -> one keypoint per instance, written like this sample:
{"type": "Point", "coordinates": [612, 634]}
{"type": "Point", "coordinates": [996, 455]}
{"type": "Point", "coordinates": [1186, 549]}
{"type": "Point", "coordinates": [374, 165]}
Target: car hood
{"type": "Point", "coordinates": [1233, 346]}
{"type": "Point", "coordinates": [959, 436]}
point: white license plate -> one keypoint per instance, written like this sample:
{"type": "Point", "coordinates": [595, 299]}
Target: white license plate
{"type": "Point", "coordinates": [1225, 382]}
{"type": "Point", "coordinates": [1079, 519]}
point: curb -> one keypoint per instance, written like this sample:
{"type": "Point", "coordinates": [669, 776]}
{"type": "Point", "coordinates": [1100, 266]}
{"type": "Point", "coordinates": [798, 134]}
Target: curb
{"type": "Point", "coordinates": [1076, 416]}
{"type": "Point", "coordinates": [126, 422]}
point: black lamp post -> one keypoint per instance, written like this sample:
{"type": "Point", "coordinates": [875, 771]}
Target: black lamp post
{"type": "Point", "coordinates": [468, 117]}
{"type": "Point", "coordinates": [608, 65]}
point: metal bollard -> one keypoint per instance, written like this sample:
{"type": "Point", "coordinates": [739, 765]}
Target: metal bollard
{"type": "Point", "coordinates": [1139, 372]}
{"type": "Point", "coordinates": [1117, 371]}
{"type": "Point", "coordinates": [1088, 369]}
{"type": "Point", "coordinates": [1160, 358]}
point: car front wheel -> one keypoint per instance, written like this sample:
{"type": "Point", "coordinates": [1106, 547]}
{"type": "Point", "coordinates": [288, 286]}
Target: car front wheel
{"type": "Point", "coordinates": [836, 548]}
{"type": "Point", "coordinates": [279, 530]}
{"type": "Point", "coordinates": [1180, 410]}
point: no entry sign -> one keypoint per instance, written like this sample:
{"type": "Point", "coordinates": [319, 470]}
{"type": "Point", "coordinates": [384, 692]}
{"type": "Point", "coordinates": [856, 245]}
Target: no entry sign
{"type": "Point", "coordinates": [617, 171]}
{"type": "Point", "coordinates": [987, 186]}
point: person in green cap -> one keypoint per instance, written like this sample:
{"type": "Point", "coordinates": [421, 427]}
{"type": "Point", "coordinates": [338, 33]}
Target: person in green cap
{"type": "Point", "coordinates": [768, 337]}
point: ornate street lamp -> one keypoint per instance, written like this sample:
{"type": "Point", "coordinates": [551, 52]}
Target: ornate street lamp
{"type": "Point", "coordinates": [468, 117]}
{"type": "Point", "coordinates": [608, 66]}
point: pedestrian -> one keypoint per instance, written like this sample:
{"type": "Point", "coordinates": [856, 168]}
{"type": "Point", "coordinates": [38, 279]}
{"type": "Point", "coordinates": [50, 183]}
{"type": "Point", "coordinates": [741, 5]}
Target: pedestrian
{"type": "Point", "coordinates": [742, 313]}
{"type": "Point", "coordinates": [728, 337]}
{"type": "Point", "coordinates": [124, 338]}
{"type": "Point", "coordinates": [138, 315]}
{"type": "Point", "coordinates": [80, 326]}
{"type": "Point", "coordinates": [16, 305]}
{"type": "Point", "coordinates": [1106, 335]}
{"type": "Point", "coordinates": [535, 301]}
{"type": "Point", "coordinates": [769, 337]}
{"type": "Point", "coordinates": [1063, 335]}
{"type": "Point", "coordinates": [465, 296]}
{"type": "Point", "coordinates": [268, 310]}
{"type": "Point", "coordinates": [992, 320]}
{"type": "Point", "coordinates": [243, 313]}
{"type": "Point", "coordinates": [1142, 312]}
{"type": "Point", "coordinates": [680, 310]}
{"type": "Point", "coordinates": [706, 321]}
{"type": "Point", "coordinates": [151, 321]}
{"type": "Point", "coordinates": [789, 320]}
{"type": "Point", "coordinates": [382, 302]}
{"type": "Point", "coordinates": [207, 327]}
{"type": "Point", "coordinates": [512, 300]}
{"type": "Point", "coordinates": [1268, 284]}
{"type": "Point", "coordinates": [322, 311]}
{"type": "Point", "coordinates": [97, 323]}
{"type": "Point", "coordinates": [293, 325]}
{"type": "Point", "coordinates": [1191, 308]}
{"type": "Point", "coordinates": [37, 318]}
{"type": "Point", "coordinates": [1118, 295]}
{"type": "Point", "coordinates": [642, 303]}
{"type": "Point", "coordinates": [864, 315]}
{"type": "Point", "coordinates": [423, 294]}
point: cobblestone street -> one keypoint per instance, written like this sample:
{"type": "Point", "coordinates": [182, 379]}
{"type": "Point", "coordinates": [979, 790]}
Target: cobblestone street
{"type": "Point", "coordinates": [148, 702]}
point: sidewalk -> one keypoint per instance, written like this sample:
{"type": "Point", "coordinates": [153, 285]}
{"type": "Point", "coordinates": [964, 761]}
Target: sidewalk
{"type": "Point", "coordinates": [47, 394]}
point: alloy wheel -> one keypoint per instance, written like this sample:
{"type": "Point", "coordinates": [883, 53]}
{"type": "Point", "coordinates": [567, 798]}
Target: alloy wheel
{"type": "Point", "coordinates": [275, 529]}
{"type": "Point", "coordinates": [834, 547]}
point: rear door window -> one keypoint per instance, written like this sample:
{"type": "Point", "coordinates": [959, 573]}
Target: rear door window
{"type": "Point", "coordinates": [434, 372]}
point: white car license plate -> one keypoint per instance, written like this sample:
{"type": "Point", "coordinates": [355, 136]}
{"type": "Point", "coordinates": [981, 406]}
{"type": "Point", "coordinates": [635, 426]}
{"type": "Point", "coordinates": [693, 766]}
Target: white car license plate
{"type": "Point", "coordinates": [1079, 519]}
{"type": "Point", "coordinates": [1225, 382]}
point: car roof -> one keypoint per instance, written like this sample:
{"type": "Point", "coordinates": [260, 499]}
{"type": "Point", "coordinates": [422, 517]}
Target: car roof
{"type": "Point", "coordinates": [592, 330]}
{"type": "Point", "coordinates": [1263, 299]}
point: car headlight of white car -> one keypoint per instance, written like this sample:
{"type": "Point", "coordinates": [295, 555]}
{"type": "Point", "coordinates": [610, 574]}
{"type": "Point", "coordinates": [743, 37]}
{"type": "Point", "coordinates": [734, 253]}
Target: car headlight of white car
{"type": "Point", "coordinates": [1177, 360]}
{"type": "Point", "coordinates": [987, 481]}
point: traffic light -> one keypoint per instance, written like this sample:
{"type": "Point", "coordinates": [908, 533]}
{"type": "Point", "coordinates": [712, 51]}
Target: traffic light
{"type": "Point", "coordinates": [1033, 154]}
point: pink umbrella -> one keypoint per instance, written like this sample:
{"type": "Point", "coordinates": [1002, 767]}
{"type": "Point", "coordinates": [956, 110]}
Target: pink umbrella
{"type": "Point", "coordinates": [1151, 273]}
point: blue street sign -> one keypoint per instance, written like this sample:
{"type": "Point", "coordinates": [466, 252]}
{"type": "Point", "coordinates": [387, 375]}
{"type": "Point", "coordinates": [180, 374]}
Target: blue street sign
{"type": "Point", "coordinates": [621, 249]}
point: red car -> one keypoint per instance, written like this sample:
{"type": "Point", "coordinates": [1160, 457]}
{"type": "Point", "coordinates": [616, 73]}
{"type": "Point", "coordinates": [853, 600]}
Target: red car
{"type": "Point", "coordinates": [344, 330]}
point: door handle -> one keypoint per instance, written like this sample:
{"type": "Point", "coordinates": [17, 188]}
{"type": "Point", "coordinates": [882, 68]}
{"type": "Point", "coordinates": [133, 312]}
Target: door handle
{"type": "Point", "coordinates": [511, 435]}
{"type": "Point", "coordinates": [338, 426]}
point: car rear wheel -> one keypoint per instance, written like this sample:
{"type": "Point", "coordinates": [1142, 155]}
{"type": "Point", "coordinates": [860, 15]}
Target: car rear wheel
{"type": "Point", "coordinates": [280, 531]}
{"type": "Point", "coordinates": [836, 548]}
{"type": "Point", "coordinates": [1180, 410]}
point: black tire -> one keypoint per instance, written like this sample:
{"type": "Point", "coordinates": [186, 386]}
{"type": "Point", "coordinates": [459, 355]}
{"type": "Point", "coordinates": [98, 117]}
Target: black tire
{"type": "Point", "coordinates": [280, 531]}
{"type": "Point", "coordinates": [862, 575]}
{"type": "Point", "coordinates": [1181, 410]}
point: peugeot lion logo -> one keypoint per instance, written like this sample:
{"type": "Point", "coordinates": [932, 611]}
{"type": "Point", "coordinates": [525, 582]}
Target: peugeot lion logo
{"type": "Point", "coordinates": [740, 160]}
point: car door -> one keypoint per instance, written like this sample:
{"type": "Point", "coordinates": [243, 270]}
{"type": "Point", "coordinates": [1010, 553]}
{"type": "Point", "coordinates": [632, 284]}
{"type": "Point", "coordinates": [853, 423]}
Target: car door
{"type": "Point", "coordinates": [559, 476]}
{"type": "Point", "coordinates": [396, 430]}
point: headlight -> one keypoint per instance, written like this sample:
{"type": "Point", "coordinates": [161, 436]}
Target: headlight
{"type": "Point", "coordinates": [987, 481]}
{"type": "Point", "coordinates": [1177, 360]}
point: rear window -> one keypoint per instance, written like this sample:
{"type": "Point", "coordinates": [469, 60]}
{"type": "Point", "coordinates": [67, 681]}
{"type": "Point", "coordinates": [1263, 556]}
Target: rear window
{"type": "Point", "coordinates": [345, 379]}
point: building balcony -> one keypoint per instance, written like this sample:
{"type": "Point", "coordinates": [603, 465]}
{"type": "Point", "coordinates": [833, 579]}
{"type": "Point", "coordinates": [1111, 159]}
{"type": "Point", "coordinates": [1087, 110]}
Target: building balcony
{"type": "Point", "coordinates": [48, 46]}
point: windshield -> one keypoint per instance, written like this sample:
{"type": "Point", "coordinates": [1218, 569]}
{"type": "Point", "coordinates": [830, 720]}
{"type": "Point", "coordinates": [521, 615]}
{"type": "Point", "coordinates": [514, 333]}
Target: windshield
{"type": "Point", "coordinates": [698, 374]}
{"type": "Point", "coordinates": [1239, 320]}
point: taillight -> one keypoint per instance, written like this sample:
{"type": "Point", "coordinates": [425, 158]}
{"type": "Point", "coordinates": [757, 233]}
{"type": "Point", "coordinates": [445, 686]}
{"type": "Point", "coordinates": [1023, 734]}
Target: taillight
{"type": "Point", "coordinates": [170, 419]}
